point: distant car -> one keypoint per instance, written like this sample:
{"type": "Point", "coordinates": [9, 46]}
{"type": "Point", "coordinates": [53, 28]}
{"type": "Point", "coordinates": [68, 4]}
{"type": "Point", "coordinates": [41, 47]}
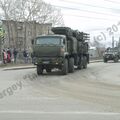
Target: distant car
{"type": "Point", "coordinates": [111, 54]}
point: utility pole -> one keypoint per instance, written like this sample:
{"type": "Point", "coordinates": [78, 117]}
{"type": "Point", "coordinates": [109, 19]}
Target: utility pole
{"type": "Point", "coordinates": [116, 43]}
{"type": "Point", "coordinates": [119, 42]}
{"type": "Point", "coordinates": [112, 41]}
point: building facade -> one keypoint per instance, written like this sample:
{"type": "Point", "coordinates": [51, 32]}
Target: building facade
{"type": "Point", "coordinates": [19, 34]}
{"type": "Point", "coordinates": [93, 52]}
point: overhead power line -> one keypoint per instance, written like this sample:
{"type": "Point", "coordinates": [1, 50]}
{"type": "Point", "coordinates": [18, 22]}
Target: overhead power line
{"type": "Point", "coordinates": [78, 9]}
{"type": "Point", "coordinates": [85, 4]}
{"type": "Point", "coordinates": [112, 1]}
{"type": "Point", "coordinates": [103, 19]}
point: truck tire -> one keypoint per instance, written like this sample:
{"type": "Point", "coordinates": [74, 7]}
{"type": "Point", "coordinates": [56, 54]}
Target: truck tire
{"type": "Point", "coordinates": [71, 65]}
{"type": "Point", "coordinates": [116, 59]}
{"type": "Point", "coordinates": [48, 70]}
{"type": "Point", "coordinates": [105, 60]}
{"type": "Point", "coordinates": [65, 67]}
{"type": "Point", "coordinates": [79, 64]}
{"type": "Point", "coordinates": [84, 62]}
{"type": "Point", "coordinates": [39, 70]}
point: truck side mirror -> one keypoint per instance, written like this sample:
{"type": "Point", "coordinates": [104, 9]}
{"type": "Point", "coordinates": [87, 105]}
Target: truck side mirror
{"type": "Point", "coordinates": [64, 41]}
{"type": "Point", "coordinates": [32, 41]}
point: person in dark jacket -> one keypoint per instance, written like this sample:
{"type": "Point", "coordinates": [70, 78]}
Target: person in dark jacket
{"type": "Point", "coordinates": [33, 59]}
{"type": "Point", "coordinates": [25, 54]}
{"type": "Point", "coordinates": [15, 52]}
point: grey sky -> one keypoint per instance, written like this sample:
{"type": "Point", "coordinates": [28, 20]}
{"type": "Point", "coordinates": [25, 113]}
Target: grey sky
{"type": "Point", "coordinates": [93, 16]}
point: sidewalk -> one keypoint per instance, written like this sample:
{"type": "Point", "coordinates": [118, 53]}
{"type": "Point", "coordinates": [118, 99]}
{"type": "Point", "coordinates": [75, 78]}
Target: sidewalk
{"type": "Point", "coordinates": [17, 66]}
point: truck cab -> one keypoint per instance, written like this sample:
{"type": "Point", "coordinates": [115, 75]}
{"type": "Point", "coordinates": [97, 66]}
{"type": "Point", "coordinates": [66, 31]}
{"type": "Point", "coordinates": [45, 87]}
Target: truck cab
{"type": "Point", "coordinates": [49, 52]}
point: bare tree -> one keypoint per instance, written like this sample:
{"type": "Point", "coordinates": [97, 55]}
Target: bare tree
{"type": "Point", "coordinates": [6, 6]}
{"type": "Point", "coordinates": [31, 10]}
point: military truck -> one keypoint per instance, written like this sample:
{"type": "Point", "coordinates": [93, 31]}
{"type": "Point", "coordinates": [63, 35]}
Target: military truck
{"type": "Point", "coordinates": [111, 54]}
{"type": "Point", "coordinates": [64, 49]}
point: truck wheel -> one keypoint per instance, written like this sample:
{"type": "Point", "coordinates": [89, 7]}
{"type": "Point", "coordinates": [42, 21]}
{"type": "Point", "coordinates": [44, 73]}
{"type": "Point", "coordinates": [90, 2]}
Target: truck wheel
{"type": "Point", "coordinates": [71, 65]}
{"type": "Point", "coordinates": [39, 70]}
{"type": "Point", "coordinates": [85, 62]}
{"type": "Point", "coordinates": [79, 64]}
{"type": "Point", "coordinates": [105, 60]}
{"type": "Point", "coordinates": [48, 70]}
{"type": "Point", "coordinates": [65, 67]}
{"type": "Point", "coordinates": [116, 59]}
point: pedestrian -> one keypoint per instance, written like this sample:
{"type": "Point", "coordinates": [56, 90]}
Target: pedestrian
{"type": "Point", "coordinates": [15, 52]}
{"type": "Point", "coordinates": [8, 55]}
{"type": "Point", "coordinates": [32, 56]}
{"type": "Point", "coordinates": [12, 58]}
{"type": "Point", "coordinates": [26, 56]}
{"type": "Point", "coordinates": [4, 56]}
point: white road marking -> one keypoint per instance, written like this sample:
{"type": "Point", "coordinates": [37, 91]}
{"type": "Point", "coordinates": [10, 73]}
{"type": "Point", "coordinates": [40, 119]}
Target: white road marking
{"type": "Point", "coordinates": [65, 112]}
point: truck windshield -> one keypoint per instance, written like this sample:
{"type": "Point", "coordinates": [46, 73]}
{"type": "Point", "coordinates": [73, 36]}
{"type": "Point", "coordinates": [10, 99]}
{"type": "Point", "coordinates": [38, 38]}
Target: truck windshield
{"type": "Point", "coordinates": [111, 50]}
{"type": "Point", "coordinates": [48, 41]}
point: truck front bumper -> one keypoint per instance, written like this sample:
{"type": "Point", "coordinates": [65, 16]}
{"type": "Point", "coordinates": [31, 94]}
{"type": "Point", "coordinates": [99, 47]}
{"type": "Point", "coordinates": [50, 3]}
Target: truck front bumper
{"type": "Point", "coordinates": [48, 61]}
{"type": "Point", "coordinates": [109, 57]}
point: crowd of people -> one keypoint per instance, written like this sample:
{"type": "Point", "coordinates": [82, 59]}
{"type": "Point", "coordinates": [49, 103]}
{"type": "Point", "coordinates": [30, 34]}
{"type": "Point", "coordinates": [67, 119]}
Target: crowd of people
{"type": "Point", "coordinates": [11, 56]}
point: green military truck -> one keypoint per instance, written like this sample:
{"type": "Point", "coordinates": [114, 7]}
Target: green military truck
{"type": "Point", "coordinates": [64, 49]}
{"type": "Point", "coordinates": [111, 54]}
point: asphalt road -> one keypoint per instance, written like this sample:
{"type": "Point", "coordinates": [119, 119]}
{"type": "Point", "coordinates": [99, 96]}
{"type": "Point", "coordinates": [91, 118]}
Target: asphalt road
{"type": "Point", "coordinates": [91, 94]}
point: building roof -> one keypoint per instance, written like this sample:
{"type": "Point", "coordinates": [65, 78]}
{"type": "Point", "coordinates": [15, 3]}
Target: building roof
{"type": "Point", "coordinates": [28, 22]}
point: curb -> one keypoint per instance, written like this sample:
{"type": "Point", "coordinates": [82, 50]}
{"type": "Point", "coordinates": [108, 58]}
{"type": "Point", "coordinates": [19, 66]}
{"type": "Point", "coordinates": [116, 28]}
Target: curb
{"type": "Point", "coordinates": [31, 67]}
{"type": "Point", "coordinates": [95, 61]}
{"type": "Point", "coordinates": [18, 68]}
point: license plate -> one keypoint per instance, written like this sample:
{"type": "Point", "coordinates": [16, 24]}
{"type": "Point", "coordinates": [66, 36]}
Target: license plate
{"type": "Point", "coordinates": [46, 62]}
